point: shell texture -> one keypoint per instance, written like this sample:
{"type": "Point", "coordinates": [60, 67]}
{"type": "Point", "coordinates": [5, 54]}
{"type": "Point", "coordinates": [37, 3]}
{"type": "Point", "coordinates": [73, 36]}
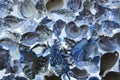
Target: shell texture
{"type": "Point", "coordinates": [59, 39]}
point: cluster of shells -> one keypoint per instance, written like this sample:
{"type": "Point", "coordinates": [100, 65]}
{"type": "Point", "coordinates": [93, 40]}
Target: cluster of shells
{"type": "Point", "coordinates": [59, 39]}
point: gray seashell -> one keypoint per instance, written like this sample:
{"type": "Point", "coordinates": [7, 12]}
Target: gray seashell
{"type": "Point", "coordinates": [107, 43]}
{"type": "Point", "coordinates": [27, 9]}
{"type": "Point", "coordinates": [13, 21]}
{"type": "Point", "coordinates": [72, 30]}
{"type": "Point", "coordinates": [74, 5]}
{"type": "Point", "coordinates": [107, 61]}
{"type": "Point", "coordinates": [79, 74]}
{"type": "Point", "coordinates": [54, 5]}
{"type": "Point", "coordinates": [112, 76]}
{"type": "Point", "coordinates": [44, 33]}
{"type": "Point", "coordinates": [117, 37]}
{"type": "Point", "coordinates": [29, 38]}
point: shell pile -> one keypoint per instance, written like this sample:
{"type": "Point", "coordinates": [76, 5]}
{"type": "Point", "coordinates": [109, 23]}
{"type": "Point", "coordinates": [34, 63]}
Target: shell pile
{"type": "Point", "coordinates": [59, 39]}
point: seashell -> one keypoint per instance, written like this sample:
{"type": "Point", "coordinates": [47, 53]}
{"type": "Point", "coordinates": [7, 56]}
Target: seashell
{"type": "Point", "coordinates": [84, 17]}
{"type": "Point", "coordinates": [27, 9]}
{"type": "Point", "coordinates": [79, 74]}
{"type": "Point", "coordinates": [63, 14]}
{"type": "Point", "coordinates": [58, 27]}
{"type": "Point", "coordinates": [107, 61]}
{"type": "Point", "coordinates": [72, 30]}
{"type": "Point", "coordinates": [112, 76]}
{"type": "Point", "coordinates": [44, 33]}
{"type": "Point", "coordinates": [54, 5]}
{"type": "Point", "coordinates": [109, 26]}
{"type": "Point", "coordinates": [117, 37]}
{"type": "Point", "coordinates": [74, 5]}
{"type": "Point", "coordinates": [83, 30]}
{"type": "Point", "coordinates": [107, 43]}
{"type": "Point", "coordinates": [93, 78]}
{"type": "Point", "coordinates": [13, 21]}
{"type": "Point", "coordinates": [52, 77]}
{"type": "Point", "coordinates": [29, 38]}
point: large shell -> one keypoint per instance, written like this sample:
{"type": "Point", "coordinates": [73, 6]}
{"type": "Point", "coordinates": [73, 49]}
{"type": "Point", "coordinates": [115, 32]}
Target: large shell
{"type": "Point", "coordinates": [27, 9]}
{"type": "Point", "coordinates": [107, 61]}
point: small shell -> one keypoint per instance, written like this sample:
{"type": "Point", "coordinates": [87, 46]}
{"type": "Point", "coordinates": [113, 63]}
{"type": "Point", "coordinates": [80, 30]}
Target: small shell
{"type": "Point", "coordinates": [52, 77]}
{"type": "Point", "coordinates": [29, 38]}
{"type": "Point", "coordinates": [74, 5]}
{"type": "Point", "coordinates": [13, 21]}
{"type": "Point", "coordinates": [27, 9]}
{"type": "Point", "coordinates": [79, 74]}
{"type": "Point", "coordinates": [72, 30]}
{"type": "Point", "coordinates": [58, 27]}
{"type": "Point", "coordinates": [107, 43]}
{"type": "Point", "coordinates": [44, 33]}
{"type": "Point", "coordinates": [54, 5]}
{"type": "Point", "coordinates": [107, 62]}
